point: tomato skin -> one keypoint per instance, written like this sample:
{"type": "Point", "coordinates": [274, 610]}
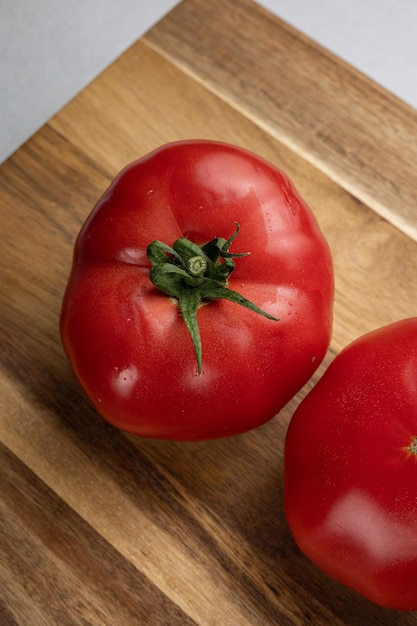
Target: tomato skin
{"type": "Point", "coordinates": [351, 468]}
{"type": "Point", "coordinates": [126, 341]}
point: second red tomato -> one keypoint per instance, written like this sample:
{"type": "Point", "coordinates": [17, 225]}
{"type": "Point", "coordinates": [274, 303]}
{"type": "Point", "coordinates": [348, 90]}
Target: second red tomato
{"type": "Point", "coordinates": [351, 467]}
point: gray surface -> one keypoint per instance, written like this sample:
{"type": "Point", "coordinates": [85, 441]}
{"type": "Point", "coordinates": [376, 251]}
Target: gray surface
{"type": "Point", "coordinates": [50, 50]}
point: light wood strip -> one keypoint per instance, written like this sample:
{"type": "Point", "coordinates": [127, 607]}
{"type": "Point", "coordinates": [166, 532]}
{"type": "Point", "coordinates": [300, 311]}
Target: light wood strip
{"type": "Point", "coordinates": [362, 137]}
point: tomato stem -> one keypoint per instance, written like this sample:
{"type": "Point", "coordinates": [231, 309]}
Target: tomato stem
{"type": "Point", "coordinates": [193, 274]}
{"type": "Point", "coordinates": [413, 446]}
{"type": "Point", "coordinates": [197, 265]}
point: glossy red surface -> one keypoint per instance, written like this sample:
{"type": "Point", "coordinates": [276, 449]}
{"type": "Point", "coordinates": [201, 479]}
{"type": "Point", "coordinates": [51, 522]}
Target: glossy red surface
{"type": "Point", "coordinates": [127, 342]}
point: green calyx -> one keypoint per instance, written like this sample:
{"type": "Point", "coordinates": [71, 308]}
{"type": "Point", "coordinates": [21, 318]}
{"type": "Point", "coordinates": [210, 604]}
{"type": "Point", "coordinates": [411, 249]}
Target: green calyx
{"type": "Point", "coordinates": [193, 274]}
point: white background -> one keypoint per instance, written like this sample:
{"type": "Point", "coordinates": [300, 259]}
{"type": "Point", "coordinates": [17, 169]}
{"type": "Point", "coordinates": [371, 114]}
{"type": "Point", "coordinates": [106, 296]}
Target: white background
{"type": "Point", "coordinates": [49, 50]}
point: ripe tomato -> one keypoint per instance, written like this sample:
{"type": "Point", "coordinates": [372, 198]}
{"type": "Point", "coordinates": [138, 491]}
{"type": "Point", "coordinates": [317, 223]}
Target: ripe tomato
{"type": "Point", "coordinates": [351, 467]}
{"type": "Point", "coordinates": [228, 368]}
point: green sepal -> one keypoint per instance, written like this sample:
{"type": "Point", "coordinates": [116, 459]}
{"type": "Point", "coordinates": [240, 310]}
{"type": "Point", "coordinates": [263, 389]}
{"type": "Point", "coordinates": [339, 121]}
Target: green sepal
{"type": "Point", "coordinates": [192, 274]}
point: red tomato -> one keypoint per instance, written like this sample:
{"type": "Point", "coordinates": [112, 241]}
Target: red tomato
{"type": "Point", "coordinates": [351, 467]}
{"type": "Point", "coordinates": [127, 341]}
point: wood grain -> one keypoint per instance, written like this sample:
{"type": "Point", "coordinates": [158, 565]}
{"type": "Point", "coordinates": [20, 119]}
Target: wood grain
{"type": "Point", "coordinates": [101, 528]}
{"type": "Point", "coordinates": [362, 137]}
{"type": "Point", "coordinates": [92, 583]}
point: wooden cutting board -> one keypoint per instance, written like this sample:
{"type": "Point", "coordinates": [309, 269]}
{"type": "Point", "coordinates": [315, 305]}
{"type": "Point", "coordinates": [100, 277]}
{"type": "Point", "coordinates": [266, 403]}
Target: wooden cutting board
{"type": "Point", "coordinates": [97, 527]}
